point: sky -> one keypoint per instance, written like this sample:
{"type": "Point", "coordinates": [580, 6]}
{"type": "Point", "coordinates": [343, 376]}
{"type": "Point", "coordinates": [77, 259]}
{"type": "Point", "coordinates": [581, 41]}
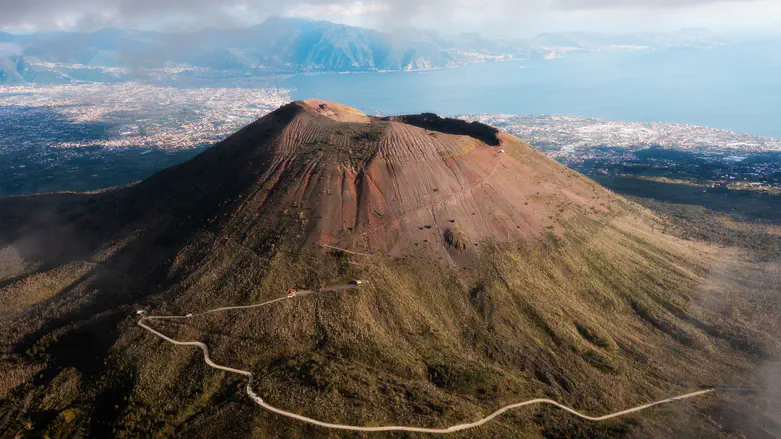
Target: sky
{"type": "Point", "coordinates": [492, 18]}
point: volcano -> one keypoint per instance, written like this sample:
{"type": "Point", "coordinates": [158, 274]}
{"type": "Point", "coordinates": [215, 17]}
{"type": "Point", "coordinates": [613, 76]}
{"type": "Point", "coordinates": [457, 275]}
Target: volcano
{"type": "Point", "coordinates": [488, 273]}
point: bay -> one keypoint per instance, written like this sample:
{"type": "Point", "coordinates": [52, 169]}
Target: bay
{"type": "Point", "coordinates": [736, 88]}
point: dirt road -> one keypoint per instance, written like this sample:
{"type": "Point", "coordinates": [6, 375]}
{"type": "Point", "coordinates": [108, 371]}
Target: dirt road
{"type": "Point", "coordinates": [454, 428]}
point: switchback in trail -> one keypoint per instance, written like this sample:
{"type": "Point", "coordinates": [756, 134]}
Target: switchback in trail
{"type": "Point", "coordinates": [459, 427]}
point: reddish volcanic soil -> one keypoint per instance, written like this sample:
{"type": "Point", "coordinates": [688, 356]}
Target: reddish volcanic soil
{"type": "Point", "coordinates": [394, 183]}
{"type": "Point", "coordinates": [397, 185]}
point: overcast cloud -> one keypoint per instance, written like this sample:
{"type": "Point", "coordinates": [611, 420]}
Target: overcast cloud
{"type": "Point", "coordinates": [495, 18]}
{"type": "Point", "coordinates": [598, 4]}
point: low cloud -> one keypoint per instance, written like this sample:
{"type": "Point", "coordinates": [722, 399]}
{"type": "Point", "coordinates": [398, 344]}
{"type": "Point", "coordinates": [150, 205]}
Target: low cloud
{"type": "Point", "coordinates": [496, 18]}
{"type": "Point", "coordinates": [179, 15]}
{"type": "Point", "coordinates": [95, 14]}
{"type": "Point", "coordinates": [610, 4]}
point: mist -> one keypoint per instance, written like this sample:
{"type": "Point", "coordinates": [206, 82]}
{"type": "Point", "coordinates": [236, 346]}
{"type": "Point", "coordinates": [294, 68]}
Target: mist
{"type": "Point", "coordinates": [496, 19]}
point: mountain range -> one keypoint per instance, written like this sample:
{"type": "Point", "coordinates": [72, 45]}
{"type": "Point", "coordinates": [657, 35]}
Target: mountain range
{"type": "Point", "coordinates": [292, 45]}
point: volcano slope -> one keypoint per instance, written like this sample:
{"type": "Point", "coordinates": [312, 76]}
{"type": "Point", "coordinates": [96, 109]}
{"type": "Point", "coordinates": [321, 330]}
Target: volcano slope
{"type": "Point", "coordinates": [493, 275]}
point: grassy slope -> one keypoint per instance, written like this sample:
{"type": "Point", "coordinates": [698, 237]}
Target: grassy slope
{"type": "Point", "coordinates": [604, 318]}
{"type": "Point", "coordinates": [599, 311]}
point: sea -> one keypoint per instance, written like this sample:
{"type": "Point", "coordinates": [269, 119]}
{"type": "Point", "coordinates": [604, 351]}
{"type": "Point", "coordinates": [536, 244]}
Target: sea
{"type": "Point", "coordinates": [737, 87]}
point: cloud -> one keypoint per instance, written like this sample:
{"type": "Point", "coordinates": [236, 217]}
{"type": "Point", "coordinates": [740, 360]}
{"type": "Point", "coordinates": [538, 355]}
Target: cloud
{"type": "Point", "coordinates": [497, 18]}
{"type": "Point", "coordinates": [93, 14]}
{"type": "Point", "coordinates": [355, 9]}
{"type": "Point", "coordinates": [177, 15]}
{"type": "Point", "coordinates": [183, 14]}
{"type": "Point", "coordinates": [610, 4]}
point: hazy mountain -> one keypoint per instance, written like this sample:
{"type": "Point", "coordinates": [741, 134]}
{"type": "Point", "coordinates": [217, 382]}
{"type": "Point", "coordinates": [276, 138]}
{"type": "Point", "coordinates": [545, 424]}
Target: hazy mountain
{"type": "Point", "coordinates": [286, 44]}
{"type": "Point", "coordinates": [14, 69]}
{"type": "Point", "coordinates": [491, 274]}
{"type": "Point", "coordinates": [11, 68]}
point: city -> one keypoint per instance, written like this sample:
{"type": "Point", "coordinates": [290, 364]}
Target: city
{"type": "Point", "coordinates": [696, 155]}
{"type": "Point", "coordinates": [91, 136]}
{"type": "Point", "coordinates": [572, 134]}
{"type": "Point", "coordinates": [128, 115]}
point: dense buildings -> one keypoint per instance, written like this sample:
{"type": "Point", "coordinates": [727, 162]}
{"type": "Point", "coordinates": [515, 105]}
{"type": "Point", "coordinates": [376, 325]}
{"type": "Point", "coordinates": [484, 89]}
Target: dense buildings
{"type": "Point", "coordinates": [699, 155]}
{"type": "Point", "coordinates": [127, 115]}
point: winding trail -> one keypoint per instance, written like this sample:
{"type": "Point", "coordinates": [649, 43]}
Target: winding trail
{"type": "Point", "coordinates": [459, 427]}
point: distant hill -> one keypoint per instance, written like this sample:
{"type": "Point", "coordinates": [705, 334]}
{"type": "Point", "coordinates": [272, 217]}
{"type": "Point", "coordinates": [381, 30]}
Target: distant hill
{"type": "Point", "coordinates": [292, 45]}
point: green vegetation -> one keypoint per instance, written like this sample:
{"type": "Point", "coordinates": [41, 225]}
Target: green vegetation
{"type": "Point", "coordinates": [589, 304]}
{"type": "Point", "coordinates": [743, 219]}
{"type": "Point", "coordinates": [390, 352]}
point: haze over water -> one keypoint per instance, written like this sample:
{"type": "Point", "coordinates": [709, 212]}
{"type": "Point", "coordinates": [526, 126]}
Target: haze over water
{"type": "Point", "coordinates": [736, 88]}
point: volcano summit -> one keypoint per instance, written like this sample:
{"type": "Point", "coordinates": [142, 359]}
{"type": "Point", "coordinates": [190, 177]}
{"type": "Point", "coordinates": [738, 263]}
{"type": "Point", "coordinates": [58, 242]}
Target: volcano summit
{"type": "Point", "coordinates": [385, 184]}
{"type": "Point", "coordinates": [490, 274]}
